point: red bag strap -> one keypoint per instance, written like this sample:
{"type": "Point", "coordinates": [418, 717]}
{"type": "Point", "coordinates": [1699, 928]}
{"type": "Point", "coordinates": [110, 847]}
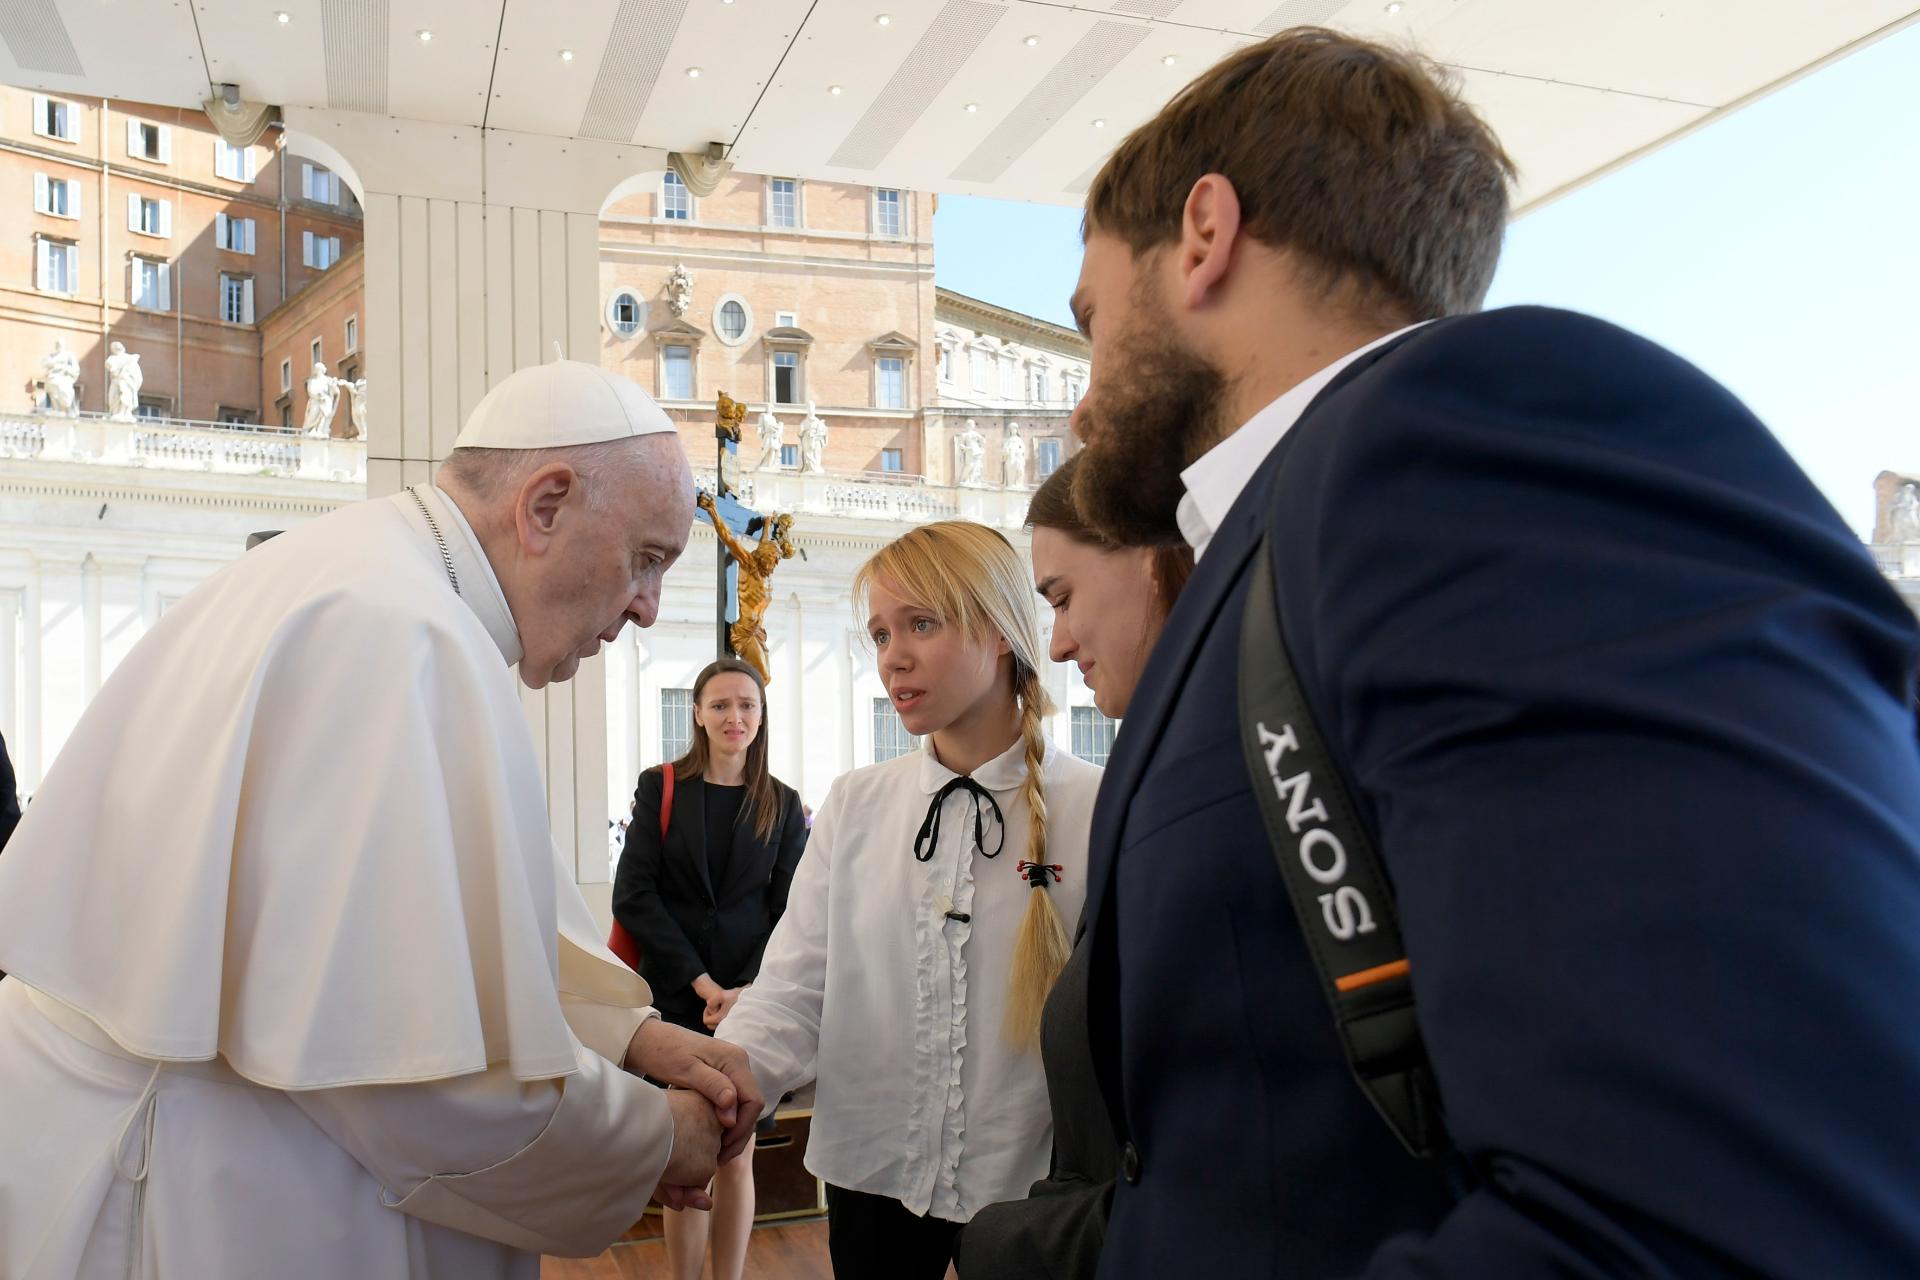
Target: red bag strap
{"type": "Point", "coordinates": [666, 799]}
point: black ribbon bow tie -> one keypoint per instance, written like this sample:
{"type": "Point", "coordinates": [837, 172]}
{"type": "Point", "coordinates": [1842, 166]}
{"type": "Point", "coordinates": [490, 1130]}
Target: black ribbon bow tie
{"type": "Point", "coordinates": [929, 838]}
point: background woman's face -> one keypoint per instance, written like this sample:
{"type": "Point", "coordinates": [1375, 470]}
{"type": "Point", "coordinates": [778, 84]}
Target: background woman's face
{"type": "Point", "coordinates": [729, 710]}
{"type": "Point", "coordinates": [1106, 612]}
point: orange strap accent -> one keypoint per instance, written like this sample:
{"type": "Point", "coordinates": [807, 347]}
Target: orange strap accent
{"type": "Point", "coordinates": [1367, 977]}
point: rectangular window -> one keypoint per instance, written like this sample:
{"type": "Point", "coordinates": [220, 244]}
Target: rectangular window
{"type": "Point", "coordinates": [677, 373]}
{"type": "Point", "coordinates": [789, 455]}
{"type": "Point", "coordinates": [235, 417]}
{"type": "Point", "coordinates": [892, 387]}
{"type": "Point", "coordinates": [1046, 456]}
{"type": "Point", "coordinates": [148, 216]}
{"type": "Point", "coordinates": [353, 334]}
{"type": "Point", "coordinates": [982, 363]}
{"type": "Point", "coordinates": [676, 201]}
{"type": "Point", "coordinates": [786, 378]}
{"type": "Point", "coordinates": [946, 364]}
{"type": "Point", "coordinates": [319, 251]}
{"type": "Point", "coordinates": [1009, 379]}
{"type": "Point", "coordinates": [1039, 390]}
{"type": "Point", "coordinates": [783, 202]}
{"type": "Point", "coordinates": [319, 185]}
{"type": "Point", "coordinates": [676, 723]}
{"type": "Point", "coordinates": [786, 319]}
{"type": "Point", "coordinates": [314, 348]}
{"type": "Point", "coordinates": [149, 141]}
{"type": "Point", "coordinates": [57, 266]}
{"type": "Point", "coordinates": [886, 212]}
{"type": "Point", "coordinates": [53, 118]}
{"type": "Point", "coordinates": [235, 235]}
{"type": "Point", "coordinates": [152, 288]}
{"type": "Point", "coordinates": [235, 164]}
{"type": "Point", "coordinates": [893, 460]}
{"type": "Point", "coordinates": [890, 737]}
{"type": "Point", "coordinates": [152, 407]}
{"type": "Point", "coordinates": [286, 417]}
{"type": "Point", "coordinates": [1093, 735]}
{"type": "Point", "coordinates": [1073, 390]}
{"type": "Point", "coordinates": [236, 299]}
{"type": "Point", "coordinates": [56, 197]}
{"type": "Point", "coordinates": [286, 375]}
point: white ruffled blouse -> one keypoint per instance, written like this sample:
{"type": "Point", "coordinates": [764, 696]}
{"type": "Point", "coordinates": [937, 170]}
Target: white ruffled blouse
{"type": "Point", "coordinates": [894, 1006]}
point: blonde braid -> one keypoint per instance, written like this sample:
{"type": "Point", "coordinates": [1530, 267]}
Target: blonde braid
{"type": "Point", "coordinates": [1040, 951]}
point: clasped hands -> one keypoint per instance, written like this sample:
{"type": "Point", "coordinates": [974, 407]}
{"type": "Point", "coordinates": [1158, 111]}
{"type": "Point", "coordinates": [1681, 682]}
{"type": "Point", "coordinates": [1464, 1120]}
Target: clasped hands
{"type": "Point", "coordinates": [714, 1101]}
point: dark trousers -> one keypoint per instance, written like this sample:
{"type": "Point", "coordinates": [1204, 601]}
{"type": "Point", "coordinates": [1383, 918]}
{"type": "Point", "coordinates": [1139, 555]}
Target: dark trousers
{"type": "Point", "coordinates": [874, 1238]}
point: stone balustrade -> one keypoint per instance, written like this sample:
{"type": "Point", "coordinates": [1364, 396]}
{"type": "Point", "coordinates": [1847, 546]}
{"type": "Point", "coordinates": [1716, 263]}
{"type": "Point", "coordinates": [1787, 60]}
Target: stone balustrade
{"type": "Point", "coordinates": [1897, 560]}
{"type": "Point", "coordinates": [874, 496]}
{"type": "Point", "coordinates": [174, 444]}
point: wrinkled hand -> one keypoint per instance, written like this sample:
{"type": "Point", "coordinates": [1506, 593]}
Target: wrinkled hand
{"type": "Point", "coordinates": [696, 1151]}
{"type": "Point", "coordinates": [719, 1006]}
{"type": "Point", "coordinates": [716, 1071]}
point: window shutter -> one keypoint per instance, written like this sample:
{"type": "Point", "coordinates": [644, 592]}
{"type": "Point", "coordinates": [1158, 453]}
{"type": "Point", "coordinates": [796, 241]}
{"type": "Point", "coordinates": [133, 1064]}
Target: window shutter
{"type": "Point", "coordinates": [249, 229]}
{"type": "Point", "coordinates": [133, 137]}
{"type": "Point", "coordinates": [247, 171]}
{"type": "Point", "coordinates": [166, 288]}
{"type": "Point", "coordinates": [166, 218]}
{"type": "Point", "coordinates": [246, 301]}
{"type": "Point", "coordinates": [306, 248]}
{"type": "Point", "coordinates": [220, 235]}
{"type": "Point", "coordinates": [333, 250]}
{"type": "Point", "coordinates": [166, 144]}
{"type": "Point", "coordinates": [41, 266]}
{"type": "Point", "coordinates": [133, 211]}
{"type": "Point", "coordinates": [306, 182]}
{"type": "Point", "coordinates": [39, 113]}
{"type": "Point", "coordinates": [333, 188]}
{"type": "Point", "coordinates": [41, 200]}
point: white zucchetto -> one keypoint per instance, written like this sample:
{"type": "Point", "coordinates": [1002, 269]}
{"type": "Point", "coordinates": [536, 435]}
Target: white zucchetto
{"type": "Point", "coordinates": [561, 403]}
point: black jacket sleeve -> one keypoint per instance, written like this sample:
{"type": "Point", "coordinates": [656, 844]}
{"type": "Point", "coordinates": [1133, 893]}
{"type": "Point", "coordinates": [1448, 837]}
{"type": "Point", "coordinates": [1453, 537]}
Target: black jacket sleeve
{"type": "Point", "coordinates": [10, 799]}
{"type": "Point", "coordinates": [1054, 1234]}
{"type": "Point", "coordinates": [667, 958]}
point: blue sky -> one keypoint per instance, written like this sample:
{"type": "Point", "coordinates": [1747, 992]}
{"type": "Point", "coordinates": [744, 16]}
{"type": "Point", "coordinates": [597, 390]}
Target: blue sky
{"type": "Point", "coordinates": [1779, 249]}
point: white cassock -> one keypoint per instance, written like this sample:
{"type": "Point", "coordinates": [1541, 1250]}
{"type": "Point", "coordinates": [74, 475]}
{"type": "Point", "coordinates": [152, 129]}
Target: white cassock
{"type": "Point", "coordinates": [300, 988]}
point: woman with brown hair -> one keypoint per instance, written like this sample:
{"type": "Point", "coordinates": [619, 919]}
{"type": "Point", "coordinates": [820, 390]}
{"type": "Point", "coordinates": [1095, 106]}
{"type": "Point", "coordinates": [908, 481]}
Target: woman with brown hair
{"type": "Point", "coordinates": [701, 900]}
{"type": "Point", "coordinates": [1109, 605]}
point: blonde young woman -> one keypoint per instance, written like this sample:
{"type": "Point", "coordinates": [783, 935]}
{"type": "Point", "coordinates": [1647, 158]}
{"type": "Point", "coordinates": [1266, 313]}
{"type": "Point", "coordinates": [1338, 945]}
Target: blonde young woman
{"type": "Point", "coordinates": [929, 919]}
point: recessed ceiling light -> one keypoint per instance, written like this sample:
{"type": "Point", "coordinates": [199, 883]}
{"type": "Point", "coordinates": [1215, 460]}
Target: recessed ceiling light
{"type": "Point", "coordinates": [566, 55]}
{"type": "Point", "coordinates": [693, 73]}
{"type": "Point", "coordinates": [972, 107]}
{"type": "Point", "coordinates": [1168, 61]}
{"type": "Point", "coordinates": [283, 18]}
{"type": "Point", "coordinates": [883, 19]}
{"type": "Point", "coordinates": [1395, 7]}
{"type": "Point", "coordinates": [1032, 41]}
{"type": "Point", "coordinates": [834, 89]}
{"type": "Point", "coordinates": [426, 37]}
{"type": "Point", "coordinates": [1099, 124]}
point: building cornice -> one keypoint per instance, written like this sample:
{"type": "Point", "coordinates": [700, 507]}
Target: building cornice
{"type": "Point", "coordinates": [1069, 340]}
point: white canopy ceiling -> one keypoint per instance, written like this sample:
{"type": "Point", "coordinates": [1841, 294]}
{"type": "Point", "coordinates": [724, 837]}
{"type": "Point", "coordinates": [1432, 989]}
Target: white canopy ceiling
{"type": "Point", "coordinates": [1018, 99]}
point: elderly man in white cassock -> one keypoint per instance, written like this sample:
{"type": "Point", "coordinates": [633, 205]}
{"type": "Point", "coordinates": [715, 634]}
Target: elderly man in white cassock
{"type": "Point", "coordinates": [300, 987]}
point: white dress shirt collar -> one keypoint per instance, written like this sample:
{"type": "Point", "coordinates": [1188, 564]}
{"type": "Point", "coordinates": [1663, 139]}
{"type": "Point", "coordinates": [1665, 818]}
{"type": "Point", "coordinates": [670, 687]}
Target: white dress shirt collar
{"type": "Point", "coordinates": [1214, 481]}
{"type": "Point", "coordinates": [1002, 773]}
{"type": "Point", "coordinates": [478, 585]}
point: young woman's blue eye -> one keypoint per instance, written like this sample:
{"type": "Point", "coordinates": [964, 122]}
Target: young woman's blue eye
{"type": "Point", "coordinates": [923, 624]}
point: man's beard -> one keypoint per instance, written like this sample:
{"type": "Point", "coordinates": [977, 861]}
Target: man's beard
{"type": "Point", "coordinates": [1156, 411]}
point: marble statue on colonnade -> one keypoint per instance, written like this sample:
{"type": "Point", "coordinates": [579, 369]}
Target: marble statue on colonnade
{"type": "Point", "coordinates": [1013, 452]}
{"type": "Point", "coordinates": [123, 383]}
{"type": "Point", "coordinates": [813, 443]}
{"type": "Point", "coordinates": [323, 401]}
{"type": "Point", "coordinates": [59, 372]}
{"type": "Point", "coordinates": [973, 456]}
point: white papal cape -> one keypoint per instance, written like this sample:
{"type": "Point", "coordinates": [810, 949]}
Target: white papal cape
{"type": "Point", "coordinates": [299, 987]}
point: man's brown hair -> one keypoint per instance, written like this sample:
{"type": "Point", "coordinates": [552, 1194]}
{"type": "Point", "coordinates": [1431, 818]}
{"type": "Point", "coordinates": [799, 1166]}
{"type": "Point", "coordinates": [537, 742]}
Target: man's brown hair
{"type": "Point", "coordinates": [1360, 159]}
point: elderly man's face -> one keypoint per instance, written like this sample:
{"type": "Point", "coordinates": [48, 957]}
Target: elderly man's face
{"type": "Point", "coordinates": [603, 560]}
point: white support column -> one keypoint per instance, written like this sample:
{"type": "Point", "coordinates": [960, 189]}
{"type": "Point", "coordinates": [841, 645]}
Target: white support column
{"type": "Point", "coordinates": [89, 628]}
{"type": "Point", "coordinates": [9, 664]}
{"type": "Point", "coordinates": [482, 253]}
{"type": "Point", "coordinates": [26, 760]}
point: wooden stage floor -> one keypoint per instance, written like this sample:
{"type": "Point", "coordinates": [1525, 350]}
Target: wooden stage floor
{"type": "Point", "coordinates": [794, 1250]}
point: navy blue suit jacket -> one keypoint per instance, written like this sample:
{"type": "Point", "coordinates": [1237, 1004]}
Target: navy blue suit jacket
{"type": "Point", "coordinates": [1631, 715]}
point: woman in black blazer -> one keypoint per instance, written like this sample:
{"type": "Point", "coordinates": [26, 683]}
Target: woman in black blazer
{"type": "Point", "coordinates": [700, 905]}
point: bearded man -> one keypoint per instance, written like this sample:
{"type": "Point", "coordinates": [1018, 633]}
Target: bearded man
{"type": "Point", "coordinates": [299, 985]}
{"type": "Point", "coordinates": [1619, 699]}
